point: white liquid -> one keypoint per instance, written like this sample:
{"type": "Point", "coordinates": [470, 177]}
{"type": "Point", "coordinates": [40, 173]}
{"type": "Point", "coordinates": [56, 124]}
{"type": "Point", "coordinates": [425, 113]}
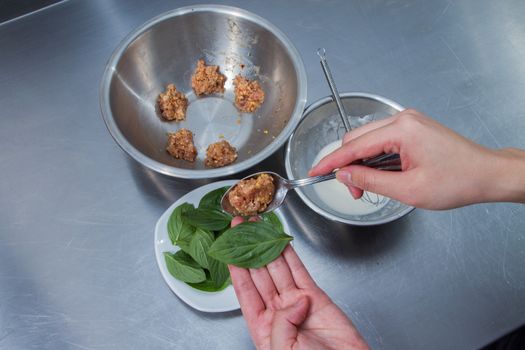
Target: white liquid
{"type": "Point", "coordinates": [337, 196]}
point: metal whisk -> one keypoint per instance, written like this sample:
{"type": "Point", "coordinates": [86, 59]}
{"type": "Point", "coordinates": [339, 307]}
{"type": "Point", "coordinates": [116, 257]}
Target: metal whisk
{"type": "Point", "coordinates": [389, 161]}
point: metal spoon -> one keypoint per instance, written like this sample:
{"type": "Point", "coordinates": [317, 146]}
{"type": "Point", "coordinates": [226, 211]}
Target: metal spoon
{"type": "Point", "coordinates": [282, 185]}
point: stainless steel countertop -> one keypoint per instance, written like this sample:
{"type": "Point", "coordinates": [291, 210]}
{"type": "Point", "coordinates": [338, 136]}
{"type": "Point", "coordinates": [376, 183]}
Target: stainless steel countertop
{"type": "Point", "coordinates": [77, 266]}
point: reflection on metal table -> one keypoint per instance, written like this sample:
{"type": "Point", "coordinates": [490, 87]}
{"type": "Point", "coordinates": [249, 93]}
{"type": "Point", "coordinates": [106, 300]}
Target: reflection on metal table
{"type": "Point", "coordinates": [77, 266]}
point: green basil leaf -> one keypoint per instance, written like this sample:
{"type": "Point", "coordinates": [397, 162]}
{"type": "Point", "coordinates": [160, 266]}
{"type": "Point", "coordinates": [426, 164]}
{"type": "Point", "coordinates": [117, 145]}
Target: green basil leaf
{"type": "Point", "coordinates": [207, 219]}
{"type": "Point", "coordinates": [220, 232]}
{"type": "Point", "coordinates": [273, 220]}
{"type": "Point", "coordinates": [219, 272]}
{"type": "Point", "coordinates": [184, 245]}
{"type": "Point", "coordinates": [179, 231]}
{"type": "Point", "coordinates": [199, 245]}
{"type": "Point", "coordinates": [212, 200]}
{"type": "Point", "coordinates": [183, 267]}
{"type": "Point", "coordinates": [249, 245]}
{"type": "Point", "coordinates": [208, 286]}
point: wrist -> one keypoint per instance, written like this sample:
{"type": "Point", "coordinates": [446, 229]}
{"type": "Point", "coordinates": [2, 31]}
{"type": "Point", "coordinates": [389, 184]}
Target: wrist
{"type": "Point", "coordinates": [504, 180]}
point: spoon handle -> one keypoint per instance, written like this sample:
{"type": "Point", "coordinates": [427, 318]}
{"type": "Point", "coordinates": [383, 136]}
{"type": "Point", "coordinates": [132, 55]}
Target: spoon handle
{"type": "Point", "coordinates": [310, 180]}
{"type": "Point", "coordinates": [389, 162]}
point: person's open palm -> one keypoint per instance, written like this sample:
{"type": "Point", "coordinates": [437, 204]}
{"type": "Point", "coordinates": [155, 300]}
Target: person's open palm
{"type": "Point", "coordinates": [285, 309]}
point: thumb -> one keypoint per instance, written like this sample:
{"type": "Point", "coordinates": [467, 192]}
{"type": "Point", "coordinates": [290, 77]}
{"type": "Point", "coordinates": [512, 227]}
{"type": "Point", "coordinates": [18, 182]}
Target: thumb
{"type": "Point", "coordinates": [286, 322]}
{"type": "Point", "coordinates": [387, 183]}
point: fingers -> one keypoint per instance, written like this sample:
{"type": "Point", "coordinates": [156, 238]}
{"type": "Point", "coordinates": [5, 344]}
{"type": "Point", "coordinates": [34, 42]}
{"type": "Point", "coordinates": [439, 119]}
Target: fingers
{"type": "Point", "coordinates": [285, 273]}
{"type": "Point", "coordinates": [263, 282]}
{"type": "Point", "coordinates": [299, 273]}
{"type": "Point", "coordinates": [281, 275]}
{"type": "Point", "coordinates": [355, 133]}
{"type": "Point", "coordinates": [251, 302]}
{"type": "Point", "coordinates": [387, 183]}
{"type": "Point", "coordinates": [236, 221]}
{"type": "Point", "coordinates": [239, 219]}
{"type": "Point", "coordinates": [380, 140]}
{"type": "Point", "coordinates": [356, 192]}
{"type": "Point", "coordinates": [249, 298]}
{"type": "Point", "coordinates": [286, 323]}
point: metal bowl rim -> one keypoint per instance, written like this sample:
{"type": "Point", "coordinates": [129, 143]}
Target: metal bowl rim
{"type": "Point", "coordinates": [313, 106]}
{"type": "Point", "coordinates": [162, 168]}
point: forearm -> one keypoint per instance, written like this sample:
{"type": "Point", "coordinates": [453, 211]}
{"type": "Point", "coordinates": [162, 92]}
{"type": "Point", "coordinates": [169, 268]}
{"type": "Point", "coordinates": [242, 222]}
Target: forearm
{"type": "Point", "coordinates": [505, 177]}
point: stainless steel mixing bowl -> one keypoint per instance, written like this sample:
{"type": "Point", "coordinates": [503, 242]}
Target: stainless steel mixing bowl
{"type": "Point", "coordinates": [165, 50]}
{"type": "Point", "coordinates": [320, 126]}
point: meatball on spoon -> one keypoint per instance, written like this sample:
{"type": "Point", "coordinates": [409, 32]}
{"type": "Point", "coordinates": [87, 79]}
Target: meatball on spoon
{"type": "Point", "coordinates": [263, 192]}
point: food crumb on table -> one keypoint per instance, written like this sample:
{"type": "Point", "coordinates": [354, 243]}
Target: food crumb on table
{"type": "Point", "coordinates": [172, 104]}
{"type": "Point", "coordinates": [207, 79]}
{"type": "Point", "coordinates": [220, 154]}
{"type": "Point", "coordinates": [180, 145]}
{"type": "Point", "coordinates": [252, 196]}
{"type": "Point", "coordinates": [249, 95]}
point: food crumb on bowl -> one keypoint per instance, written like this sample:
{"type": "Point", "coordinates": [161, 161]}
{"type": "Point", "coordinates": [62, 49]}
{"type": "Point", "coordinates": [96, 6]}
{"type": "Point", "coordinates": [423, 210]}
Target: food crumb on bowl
{"type": "Point", "coordinates": [172, 104]}
{"type": "Point", "coordinates": [249, 95]}
{"type": "Point", "coordinates": [207, 80]}
{"type": "Point", "coordinates": [220, 154]}
{"type": "Point", "coordinates": [180, 145]}
{"type": "Point", "coordinates": [252, 196]}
